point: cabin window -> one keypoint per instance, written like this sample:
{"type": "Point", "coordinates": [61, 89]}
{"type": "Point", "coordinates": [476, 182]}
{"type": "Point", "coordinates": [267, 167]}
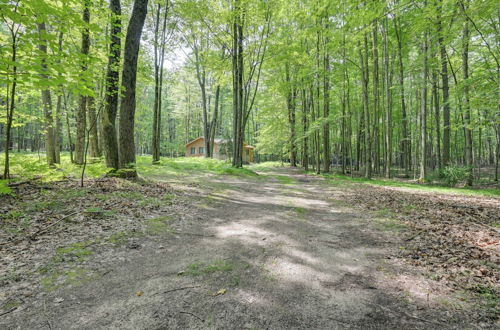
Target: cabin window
{"type": "Point", "coordinates": [201, 150]}
{"type": "Point", "coordinates": [193, 150]}
{"type": "Point", "coordinates": [248, 152]}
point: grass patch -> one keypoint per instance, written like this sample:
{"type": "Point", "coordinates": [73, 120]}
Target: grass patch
{"type": "Point", "coordinates": [73, 276]}
{"type": "Point", "coordinates": [76, 252]}
{"type": "Point", "coordinates": [283, 179]}
{"type": "Point", "coordinates": [119, 238]}
{"type": "Point", "coordinates": [388, 224]}
{"type": "Point", "coordinates": [186, 166]}
{"type": "Point", "coordinates": [384, 213]}
{"type": "Point", "coordinates": [336, 178]}
{"type": "Point", "coordinates": [158, 225]}
{"type": "Point", "coordinates": [201, 268]}
{"type": "Point", "coordinates": [97, 212]}
{"type": "Point", "coordinates": [67, 257]}
{"type": "Point", "coordinates": [266, 166]}
{"type": "Point", "coordinates": [31, 165]}
{"type": "Point", "coordinates": [45, 205]}
{"type": "Point", "coordinates": [300, 212]}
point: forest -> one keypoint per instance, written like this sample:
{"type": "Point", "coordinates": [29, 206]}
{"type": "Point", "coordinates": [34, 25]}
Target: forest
{"type": "Point", "coordinates": [382, 88]}
{"type": "Point", "coordinates": [338, 139]}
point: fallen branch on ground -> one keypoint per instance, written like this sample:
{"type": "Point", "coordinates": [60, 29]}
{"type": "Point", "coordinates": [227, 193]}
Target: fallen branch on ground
{"type": "Point", "coordinates": [199, 318]}
{"type": "Point", "coordinates": [178, 289]}
{"type": "Point", "coordinates": [192, 234]}
{"type": "Point", "coordinates": [9, 311]}
{"type": "Point", "coordinates": [42, 230]}
{"type": "Point", "coordinates": [15, 184]}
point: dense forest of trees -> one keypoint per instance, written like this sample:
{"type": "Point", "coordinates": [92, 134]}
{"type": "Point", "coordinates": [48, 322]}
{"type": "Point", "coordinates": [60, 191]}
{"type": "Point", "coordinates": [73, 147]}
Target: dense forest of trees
{"type": "Point", "coordinates": [376, 87]}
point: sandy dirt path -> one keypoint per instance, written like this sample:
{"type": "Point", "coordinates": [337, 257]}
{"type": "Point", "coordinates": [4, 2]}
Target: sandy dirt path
{"type": "Point", "coordinates": [272, 252]}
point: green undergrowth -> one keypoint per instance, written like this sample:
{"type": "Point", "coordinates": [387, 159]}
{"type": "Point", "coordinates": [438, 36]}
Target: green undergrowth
{"type": "Point", "coordinates": [32, 165]}
{"type": "Point", "coordinates": [341, 179]}
{"type": "Point", "coordinates": [4, 188]}
{"type": "Point", "coordinates": [187, 166]}
{"type": "Point", "coordinates": [266, 166]}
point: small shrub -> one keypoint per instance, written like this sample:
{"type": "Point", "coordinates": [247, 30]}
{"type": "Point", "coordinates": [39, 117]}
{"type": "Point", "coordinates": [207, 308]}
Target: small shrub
{"type": "Point", "coordinates": [453, 175]}
{"type": "Point", "coordinates": [4, 188]}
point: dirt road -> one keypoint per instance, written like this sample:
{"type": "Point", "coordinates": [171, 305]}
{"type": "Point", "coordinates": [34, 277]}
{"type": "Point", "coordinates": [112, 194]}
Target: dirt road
{"type": "Point", "coordinates": [272, 252]}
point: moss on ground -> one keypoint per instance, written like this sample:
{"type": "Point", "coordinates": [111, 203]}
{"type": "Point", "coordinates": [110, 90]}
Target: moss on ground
{"type": "Point", "coordinates": [60, 278]}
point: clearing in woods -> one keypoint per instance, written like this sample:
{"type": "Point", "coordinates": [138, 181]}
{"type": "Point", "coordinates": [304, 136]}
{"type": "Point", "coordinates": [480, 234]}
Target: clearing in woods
{"type": "Point", "coordinates": [278, 250]}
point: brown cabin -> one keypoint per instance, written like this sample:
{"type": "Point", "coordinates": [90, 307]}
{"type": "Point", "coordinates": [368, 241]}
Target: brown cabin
{"type": "Point", "coordinates": [196, 148]}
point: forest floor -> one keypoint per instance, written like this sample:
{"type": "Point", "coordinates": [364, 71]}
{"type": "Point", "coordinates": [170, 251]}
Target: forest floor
{"type": "Point", "coordinates": [275, 249]}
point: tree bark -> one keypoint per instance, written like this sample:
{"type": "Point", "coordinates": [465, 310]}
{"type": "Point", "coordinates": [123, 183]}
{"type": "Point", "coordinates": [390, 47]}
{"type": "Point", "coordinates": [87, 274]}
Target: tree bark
{"type": "Point", "coordinates": [363, 59]}
{"type": "Point", "coordinates": [93, 137]}
{"type": "Point", "coordinates": [388, 112]}
{"type": "Point", "coordinates": [81, 115]}
{"type": "Point", "coordinates": [10, 107]}
{"type": "Point", "coordinates": [237, 62]}
{"type": "Point", "coordinates": [108, 118]}
{"type": "Point", "coordinates": [406, 143]}
{"type": "Point", "coordinates": [446, 93]}
{"type": "Point", "coordinates": [305, 141]}
{"type": "Point", "coordinates": [376, 101]}
{"type": "Point", "coordinates": [423, 113]}
{"type": "Point", "coordinates": [129, 75]}
{"type": "Point", "coordinates": [467, 110]}
{"type": "Point", "coordinates": [46, 100]}
{"type": "Point", "coordinates": [290, 103]}
{"type": "Point", "coordinates": [326, 111]}
{"type": "Point", "coordinates": [159, 56]}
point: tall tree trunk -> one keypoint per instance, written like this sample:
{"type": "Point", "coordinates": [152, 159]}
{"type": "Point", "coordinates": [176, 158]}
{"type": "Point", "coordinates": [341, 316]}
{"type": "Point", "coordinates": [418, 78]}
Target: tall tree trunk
{"type": "Point", "coordinates": [129, 75]}
{"type": "Point", "coordinates": [214, 122]}
{"type": "Point", "coordinates": [290, 102]}
{"type": "Point", "coordinates": [108, 118]}
{"type": "Point", "coordinates": [376, 101]}
{"type": "Point", "coordinates": [446, 92]}
{"type": "Point", "coordinates": [159, 56]}
{"type": "Point", "coordinates": [437, 115]}
{"type": "Point", "coordinates": [68, 128]}
{"type": "Point", "coordinates": [46, 100]}
{"type": "Point", "coordinates": [326, 110]}
{"type": "Point", "coordinates": [388, 111]}
{"type": "Point", "coordinates": [305, 141]}
{"type": "Point", "coordinates": [58, 130]}
{"type": "Point", "coordinates": [81, 116]}
{"type": "Point", "coordinates": [364, 81]}
{"type": "Point", "coordinates": [93, 137]}
{"type": "Point", "coordinates": [58, 114]}
{"type": "Point", "coordinates": [10, 107]}
{"type": "Point", "coordinates": [238, 87]}
{"type": "Point", "coordinates": [344, 100]}
{"type": "Point", "coordinates": [467, 110]}
{"type": "Point", "coordinates": [155, 143]}
{"type": "Point", "coordinates": [423, 112]}
{"type": "Point", "coordinates": [406, 143]}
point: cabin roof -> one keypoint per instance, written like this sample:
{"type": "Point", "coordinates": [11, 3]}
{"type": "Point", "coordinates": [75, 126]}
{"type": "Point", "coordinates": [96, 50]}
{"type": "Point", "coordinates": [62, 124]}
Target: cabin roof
{"type": "Point", "coordinates": [193, 141]}
{"type": "Point", "coordinates": [218, 141]}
